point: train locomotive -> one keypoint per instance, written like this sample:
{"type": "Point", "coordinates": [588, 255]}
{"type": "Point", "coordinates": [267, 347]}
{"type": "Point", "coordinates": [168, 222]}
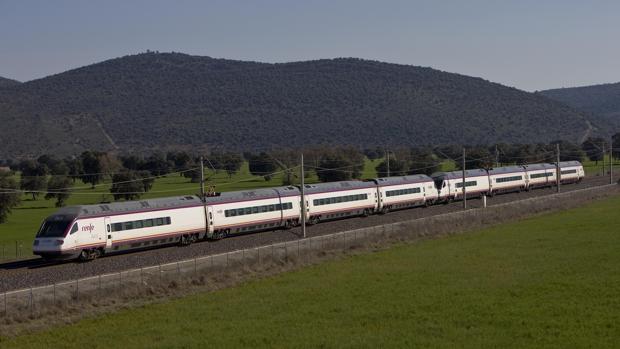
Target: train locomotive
{"type": "Point", "coordinates": [90, 231]}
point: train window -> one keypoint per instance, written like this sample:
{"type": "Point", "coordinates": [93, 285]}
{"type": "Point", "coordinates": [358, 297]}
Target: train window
{"type": "Point", "coordinates": [127, 225]}
{"type": "Point", "coordinates": [264, 208]}
{"type": "Point", "coordinates": [272, 208]}
{"type": "Point", "coordinates": [255, 209]}
{"type": "Point", "coordinates": [117, 226]}
{"type": "Point", "coordinates": [240, 212]}
{"type": "Point", "coordinates": [278, 207]}
{"type": "Point", "coordinates": [248, 210]}
{"type": "Point", "coordinates": [159, 221]}
{"type": "Point", "coordinates": [148, 223]}
{"type": "Point", "coordinates": [74, 228]}
{"type": "Point", "coordinates": [168, 220]}
{"type": "Point", "coordinates": [137, 224]}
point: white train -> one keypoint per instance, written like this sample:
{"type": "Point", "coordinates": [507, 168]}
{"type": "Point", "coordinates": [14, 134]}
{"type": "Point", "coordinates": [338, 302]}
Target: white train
{"type": "Point", "coordinates": [89, 231]}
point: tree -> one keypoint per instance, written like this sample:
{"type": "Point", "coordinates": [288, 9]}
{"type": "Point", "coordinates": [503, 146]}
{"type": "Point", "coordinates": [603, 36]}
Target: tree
{"type": "Point", "coordinates": [616, 144]}
{"type": "Point", "coordinates": [33, 178]}
{"type": "Point", "coordinates": [568, 151]}
{"type": "Point", "coordinates": [181, 160]}
{"type": "Point", "coordinates": [147, 180]}
{"type": "Point", "coordinates": [398, 167]}
{"type": "Point", "coordinates": [229, 162]}
{"type": "Point", "coordinates": [156, 164]}
{"type": "Point", "coordinates": [423, 161]}
{"type": "Point", "coordinates": [262, 165]}
{"type": "Point", "coordinates": [10, 196]}
{"type": "Point", "coordinates": [126, 185]}
{"type": "Point", "coordinates": [55, 166]}
{"type": "Point", "coordinates": [593, 147]}
{"type": "Point", "coordinates": [58, 187]}
{"type": "Point", "coordinates": [74, 166]}
{"type": "Point", "coordinates": [92, 168]}
{"type": "Point", "coordinates": [132, 162]}
{"type": "Point", "coordinates": [110, 164]}
{"type": "Point", "coordinates": [477, 157]}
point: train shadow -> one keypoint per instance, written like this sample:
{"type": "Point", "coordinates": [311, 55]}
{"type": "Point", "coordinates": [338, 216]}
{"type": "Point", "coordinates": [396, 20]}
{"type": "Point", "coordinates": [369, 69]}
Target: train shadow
{"type": "Point", "coordinates": [33, 263]}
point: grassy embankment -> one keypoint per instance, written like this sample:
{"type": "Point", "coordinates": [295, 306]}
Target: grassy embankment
{"type": "Point", "coordinates": [549, 281]}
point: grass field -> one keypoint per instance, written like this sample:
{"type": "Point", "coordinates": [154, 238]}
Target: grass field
{"type": "Point", "coordinates": [550, 281]}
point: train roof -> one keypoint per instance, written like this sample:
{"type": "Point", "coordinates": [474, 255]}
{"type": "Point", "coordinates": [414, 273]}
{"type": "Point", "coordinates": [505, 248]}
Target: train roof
{"type": "Point", "coordinates": [402, 179]}
{"type": "Point", "coordinates": [534, 167]}
{"type": "Point", "coordinates": [505, 169]}
{"type": "Point", "coordinates": [128, 206]}
{"type": "Point", "coordinates": [569, 163]}
{"type": "Point", "coordinates": [255, 194]}
{"type": "Point", "coordinates": [337, 186]}
{"type": "Point", "coordinates": [459, 174]}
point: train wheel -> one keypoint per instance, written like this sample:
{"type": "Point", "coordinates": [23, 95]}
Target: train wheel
{"type": "Point", "coordinates": [87, 255]}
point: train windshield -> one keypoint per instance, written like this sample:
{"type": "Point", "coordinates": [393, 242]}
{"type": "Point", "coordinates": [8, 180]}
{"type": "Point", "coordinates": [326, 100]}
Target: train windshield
{"type": "Point", "coordinates": [53, 229]}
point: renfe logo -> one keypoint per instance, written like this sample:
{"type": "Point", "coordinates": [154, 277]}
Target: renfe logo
{"type": "Point", "coordinates": [88, 228]}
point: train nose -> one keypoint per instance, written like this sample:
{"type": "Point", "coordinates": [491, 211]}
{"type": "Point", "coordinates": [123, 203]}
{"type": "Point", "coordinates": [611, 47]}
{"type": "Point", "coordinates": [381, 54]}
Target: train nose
{"type": "Point", "coordinates": [42, 244]}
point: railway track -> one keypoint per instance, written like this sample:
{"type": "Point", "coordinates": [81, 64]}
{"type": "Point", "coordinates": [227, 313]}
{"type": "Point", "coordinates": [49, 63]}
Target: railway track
{"type": "Point", "coordinates": [36, 272]}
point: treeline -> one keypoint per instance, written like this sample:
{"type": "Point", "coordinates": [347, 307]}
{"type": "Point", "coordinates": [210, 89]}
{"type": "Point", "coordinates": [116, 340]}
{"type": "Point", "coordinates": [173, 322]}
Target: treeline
{"type": "Point", "coordinates": [132, 176]}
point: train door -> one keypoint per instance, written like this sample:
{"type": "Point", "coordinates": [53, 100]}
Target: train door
{"type": "Point", "coordinates": [209, 220]}
{"type": "Point", "coordinates": [108, 233]}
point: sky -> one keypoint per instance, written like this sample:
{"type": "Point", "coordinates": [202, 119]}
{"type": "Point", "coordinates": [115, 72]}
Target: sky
{"type": "Point", "coordinates": [530, 45]}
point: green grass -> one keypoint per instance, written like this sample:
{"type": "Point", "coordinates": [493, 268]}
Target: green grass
{"type": "Point", "coordinates": [596, 168]}
{"type": "Point", "coordinates": [550, 281]}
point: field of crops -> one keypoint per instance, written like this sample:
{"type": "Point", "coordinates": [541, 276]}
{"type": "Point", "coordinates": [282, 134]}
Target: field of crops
{"type": "Point", "coordinates": [549, 281]}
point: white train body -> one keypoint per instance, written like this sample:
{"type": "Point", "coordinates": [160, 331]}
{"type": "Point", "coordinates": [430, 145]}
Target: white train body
{"type": "Point", "coordinates": [507, 179]}
{"type": "Point", "coordinates": [91, 230]}
{"type": "Point", "coordinates": [120, 226]}
{"type": "Point", "coordinates": [450, 184]}
{"type": "Point", "coordinates": [403, 192]}
{"type": "Point", "coordinates": [540, 175]}
{"type": "Point", "coordinates": [571, 171]}
{"type": "Point", "coordinates": [327, 201]}
{"type": "Point", "coordinates": [253, 210]}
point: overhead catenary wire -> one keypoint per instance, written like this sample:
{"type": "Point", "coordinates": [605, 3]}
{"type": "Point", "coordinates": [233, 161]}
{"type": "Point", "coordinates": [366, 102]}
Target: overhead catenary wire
{"type": "Point", "coordinates": [65, 190]}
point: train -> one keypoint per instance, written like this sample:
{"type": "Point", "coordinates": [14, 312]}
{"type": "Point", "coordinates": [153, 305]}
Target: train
{"type": "Point", "coordinates": [89, 231]}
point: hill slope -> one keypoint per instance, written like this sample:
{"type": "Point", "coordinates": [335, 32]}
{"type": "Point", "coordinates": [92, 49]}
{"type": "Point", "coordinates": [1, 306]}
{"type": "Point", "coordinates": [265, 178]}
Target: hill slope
{"type": "Point", "coordinates": [148, 100]}
{"type": "Point", "coordinates": [8, 82]}
{"type": "Point", "coordinates": [602, 101]}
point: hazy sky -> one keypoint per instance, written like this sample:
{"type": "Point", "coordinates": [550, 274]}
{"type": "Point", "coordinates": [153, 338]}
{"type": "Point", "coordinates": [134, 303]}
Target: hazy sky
{"type": "Point", "coordinates": [526, 44]}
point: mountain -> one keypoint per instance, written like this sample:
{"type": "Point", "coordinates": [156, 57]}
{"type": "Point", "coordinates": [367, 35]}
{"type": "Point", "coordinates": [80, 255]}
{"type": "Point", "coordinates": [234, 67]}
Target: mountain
{"type": "Point", "coordinates": [158, 100]}
{"type": "Point", "coordinates": [601, 101]}
{"type": "Point", "coordinates": [4, 82]}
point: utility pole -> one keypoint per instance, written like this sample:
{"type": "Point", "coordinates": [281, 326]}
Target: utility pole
{"type": "Point", "coordinates": [496, 157]}
{"type": "Point", "coordinates": [303, 197]}
{"type": "Point", "coordinates": [603, 150]}
{"type": "Point", "coordinates": [611, 162]}
{"type": "Point", "coordinates": [558, 174]}
{"type": "Point", "coordinates": [387, 155]}
{"type": "Point", "coordinates": [203, 197]}
{"type": "Point", "coordinates": [464, 187]}
{"type": "Point", "coordinates": [202, 180]}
